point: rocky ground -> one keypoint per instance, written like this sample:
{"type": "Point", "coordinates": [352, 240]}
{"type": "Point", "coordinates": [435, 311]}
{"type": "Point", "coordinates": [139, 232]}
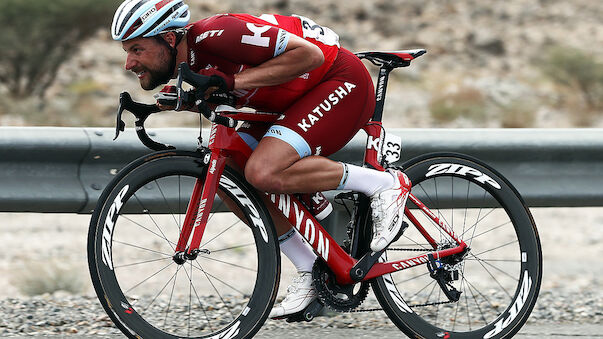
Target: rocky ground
{"type": "Point", "coordinates": [63, 314]}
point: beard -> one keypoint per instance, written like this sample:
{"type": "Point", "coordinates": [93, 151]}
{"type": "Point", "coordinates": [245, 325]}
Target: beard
{"type": "Point", "coordinates": [158, 76]}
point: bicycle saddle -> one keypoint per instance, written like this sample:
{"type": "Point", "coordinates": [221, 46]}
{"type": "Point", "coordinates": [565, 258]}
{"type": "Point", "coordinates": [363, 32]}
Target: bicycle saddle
{"type": "Point", "coordinates": [394, 58]}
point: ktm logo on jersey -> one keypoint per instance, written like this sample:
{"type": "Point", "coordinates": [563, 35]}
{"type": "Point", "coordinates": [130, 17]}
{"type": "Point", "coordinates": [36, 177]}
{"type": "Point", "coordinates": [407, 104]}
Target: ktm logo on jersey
{"type": "Point", "coordinates": [326, 106]}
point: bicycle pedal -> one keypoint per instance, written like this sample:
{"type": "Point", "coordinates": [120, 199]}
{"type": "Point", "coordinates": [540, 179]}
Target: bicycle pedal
{"type": "Point", "coordinates": [403, 228]}
{"type": "Point", "coordinates": [312, 310]}
{"type": "Point", "coordinates": [307, 315]}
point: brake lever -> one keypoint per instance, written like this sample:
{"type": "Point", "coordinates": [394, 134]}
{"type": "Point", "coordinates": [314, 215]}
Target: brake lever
{"type": "Point", "coordinates": [179, 91]}
{"type": "Point", "coordinates": [120, 125]}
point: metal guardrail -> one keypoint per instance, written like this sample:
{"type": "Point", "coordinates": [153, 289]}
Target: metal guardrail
{"type": "Point", "coordinates": [65, 169]}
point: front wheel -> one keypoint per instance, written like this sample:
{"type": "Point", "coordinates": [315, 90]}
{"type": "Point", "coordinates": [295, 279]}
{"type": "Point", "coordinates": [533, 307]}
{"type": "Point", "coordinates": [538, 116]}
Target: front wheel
{"type": "Point", "coordinates": [500, 276]}
{"type": "Point", "coordinates": [226, 291]}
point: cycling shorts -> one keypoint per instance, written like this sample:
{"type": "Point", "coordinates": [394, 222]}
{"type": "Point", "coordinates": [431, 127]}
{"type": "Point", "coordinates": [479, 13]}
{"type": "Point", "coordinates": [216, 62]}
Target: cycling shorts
{"type": "Point", "coordinates": [326, 117]}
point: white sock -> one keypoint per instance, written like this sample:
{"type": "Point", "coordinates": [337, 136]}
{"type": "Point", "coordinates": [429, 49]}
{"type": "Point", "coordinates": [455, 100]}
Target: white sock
{"type": "Point", "coordinates": [297, 250]}
{"type": "Point", "coordinates": [365, 180]}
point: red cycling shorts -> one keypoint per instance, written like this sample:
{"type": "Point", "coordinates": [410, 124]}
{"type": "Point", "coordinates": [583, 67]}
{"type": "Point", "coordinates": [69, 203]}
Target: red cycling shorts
{"type": "Point", "coordinates": [326, 117]}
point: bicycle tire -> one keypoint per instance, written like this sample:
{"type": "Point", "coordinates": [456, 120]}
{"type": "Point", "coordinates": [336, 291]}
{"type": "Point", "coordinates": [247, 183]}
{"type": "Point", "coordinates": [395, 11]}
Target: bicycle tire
{"type": "Point", "coordinates": [226, 292]}
{"type": "Point", "coordinates": [499, 279]}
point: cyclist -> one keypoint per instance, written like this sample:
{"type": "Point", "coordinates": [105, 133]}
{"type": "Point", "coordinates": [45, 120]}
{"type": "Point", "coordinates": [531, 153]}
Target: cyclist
{"type": "Point", "coordinates": [274, 63]}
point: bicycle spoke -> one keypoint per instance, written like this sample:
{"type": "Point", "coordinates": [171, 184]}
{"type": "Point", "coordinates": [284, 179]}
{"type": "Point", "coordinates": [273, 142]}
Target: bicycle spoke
{"type": "Point", "coordinates": [227, 263]}
{"type": "Point", "coordinates": [426, 247]}
{"type": "Point", "coordinates": [411, 279]}
{"type": "Point", "coordinates": [146, 279]}
{"type": "Point", "coordinates": [198, 299]}
{"type": "Point", "coordinates": [148, 213]}
{"type": "Point", "coordinates": [218, 279]}
{"type": "Point", "coordinates": [474, 226]}
{"type": "Point", "coordinates": [466, 210]}
{"type": "Point", "coordinates": [431, 292]}
{"type": "Point", "coordinates": [148, 230]}
{"type": "Point", "coordinates": [452, 199]}
{"type": "Point", "coordinates": [476, 302]}
{"type": "Point", "coordinates": [207, 318]}
{"type": "Point", "coordinates": [219, 234]}
{"type": "Point", "coordinates": [217, 292]}
{"type": "Point", "coordinates": [233, 247]}
{"type": "Point", "coordinates": [141, 248]}
{"type": "Point", "coordinates": [140, 262]}
{"type": "Point", "coordinates": [495, 260]}
{"type": "Point", "coordinates": [168, 205]}
{"type": "Point", "coordinates": [498, 269]}
{"type": "Point", "coordinates": [490, 230]}
{"type": "Point", "coordinates": [216, 209]}
{"type": "Point", "coordinates": [421, 290]}
{"type": "Point", "coordinates": [171, 296]}
{"type": "Point", "coordinates": [496, 248]}
{"type": "Point", "coordinates": [494, 278]}
{"type": "Point", "coordinates": [480, 293]}
{"type": "Point", "coordinates": [159, 293]}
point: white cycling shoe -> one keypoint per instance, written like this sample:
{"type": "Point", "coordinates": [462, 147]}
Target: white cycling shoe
{"type": "Point", "coordinates": [388, 211]}
{"type": "Point", "coordinates": [300, 294]}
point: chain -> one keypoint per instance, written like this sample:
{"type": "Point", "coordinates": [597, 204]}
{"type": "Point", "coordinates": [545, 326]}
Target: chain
{"type": "Point", "coordinates": [409, 249]}
{"type": "Point", "coordinates": [411, 306]}
{"type": "Point", "coordinates": [366, 310]}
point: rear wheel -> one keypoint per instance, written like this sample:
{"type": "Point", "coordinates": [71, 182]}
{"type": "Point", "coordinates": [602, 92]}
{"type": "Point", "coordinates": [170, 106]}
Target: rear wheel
{"type": "Point", "coordinates": [498, 279]}
{"type": "Point", "coordinates": [227, 290]}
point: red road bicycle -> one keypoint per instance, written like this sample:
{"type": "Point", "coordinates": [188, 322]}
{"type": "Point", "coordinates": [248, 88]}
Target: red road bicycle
{"type": "Point", "coordinates": [180, 245]}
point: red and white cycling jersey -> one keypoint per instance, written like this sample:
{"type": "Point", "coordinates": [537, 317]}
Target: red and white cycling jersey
{"type": "Point", "coordinates": [235, 42]}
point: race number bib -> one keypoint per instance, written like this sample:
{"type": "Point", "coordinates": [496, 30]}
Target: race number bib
{"type": "Point", "coordinates": [392, 148]}
{"type": "Point", "coordinates": [319, 33]}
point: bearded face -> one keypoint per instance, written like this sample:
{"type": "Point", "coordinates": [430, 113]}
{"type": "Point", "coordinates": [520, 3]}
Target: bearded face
{"type": "Point", "coordinates": [149, 60]}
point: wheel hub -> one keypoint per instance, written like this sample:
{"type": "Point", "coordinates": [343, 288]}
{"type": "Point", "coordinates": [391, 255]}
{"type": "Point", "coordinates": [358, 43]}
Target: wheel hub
{"type": "Point", "coordinates": [181, 257]}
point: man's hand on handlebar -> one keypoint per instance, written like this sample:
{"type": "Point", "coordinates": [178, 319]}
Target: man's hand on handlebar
{"type": "Point", "coordinates": [167, 98]}
{"type": "Point", "coordinates": [224, 83]}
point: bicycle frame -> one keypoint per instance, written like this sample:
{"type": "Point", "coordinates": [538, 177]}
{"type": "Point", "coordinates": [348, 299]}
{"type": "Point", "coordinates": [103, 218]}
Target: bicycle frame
{"type": "Point", "coordinates": [224, 143]}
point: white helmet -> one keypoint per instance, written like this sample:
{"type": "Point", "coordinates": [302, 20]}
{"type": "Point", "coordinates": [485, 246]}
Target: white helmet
{"type": "Point", "coordinates": [146, 18]}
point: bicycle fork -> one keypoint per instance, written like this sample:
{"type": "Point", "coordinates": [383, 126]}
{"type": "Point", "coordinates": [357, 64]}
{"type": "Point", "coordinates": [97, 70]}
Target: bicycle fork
{"type": "Point", "coordinates": [199, 207]}
{"type": "Point", "coordinates": [221, 142]}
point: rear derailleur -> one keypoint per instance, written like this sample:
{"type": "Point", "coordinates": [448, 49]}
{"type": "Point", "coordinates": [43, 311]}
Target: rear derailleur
{"type": "Point", "coordinates": [445, 271]}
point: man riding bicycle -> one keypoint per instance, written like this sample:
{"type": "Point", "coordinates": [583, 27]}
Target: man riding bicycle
{"type": "Point", "coordinates": [273, 63]}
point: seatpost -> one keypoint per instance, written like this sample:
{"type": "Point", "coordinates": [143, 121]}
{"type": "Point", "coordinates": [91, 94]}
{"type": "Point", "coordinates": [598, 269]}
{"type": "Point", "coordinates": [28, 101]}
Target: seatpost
{"type": "Point", "coordinates": [384, 71]}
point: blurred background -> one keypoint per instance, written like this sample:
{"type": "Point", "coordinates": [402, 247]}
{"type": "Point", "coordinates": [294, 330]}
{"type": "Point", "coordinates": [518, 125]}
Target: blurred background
{"type": "Point", "coordinates": [517, 63]}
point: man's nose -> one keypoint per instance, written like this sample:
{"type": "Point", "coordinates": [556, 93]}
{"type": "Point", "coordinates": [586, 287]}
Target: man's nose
{"type": "Point", "coordinates": [130, 62]}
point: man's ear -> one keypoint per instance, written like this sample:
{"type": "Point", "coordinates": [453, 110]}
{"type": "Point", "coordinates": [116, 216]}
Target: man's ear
{"type": "Point", "coordinates": [170, 38]}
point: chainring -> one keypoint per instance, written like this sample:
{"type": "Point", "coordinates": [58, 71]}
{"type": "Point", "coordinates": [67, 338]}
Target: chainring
{"type": "Point", "coordinates": [337, 297]}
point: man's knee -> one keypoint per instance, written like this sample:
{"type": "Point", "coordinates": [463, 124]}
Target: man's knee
{"type": "Point", "coordinates": [262, 177]}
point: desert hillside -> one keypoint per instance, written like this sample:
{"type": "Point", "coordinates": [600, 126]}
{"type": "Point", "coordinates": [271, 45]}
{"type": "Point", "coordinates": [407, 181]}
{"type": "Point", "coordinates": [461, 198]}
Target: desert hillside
{"type": "Point", "coordinates": [489, 64]}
